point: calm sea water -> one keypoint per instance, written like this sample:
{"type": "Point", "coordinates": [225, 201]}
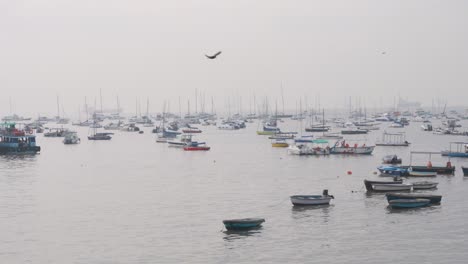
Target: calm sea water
{"type": "Point", "coordinates": [131, 200]}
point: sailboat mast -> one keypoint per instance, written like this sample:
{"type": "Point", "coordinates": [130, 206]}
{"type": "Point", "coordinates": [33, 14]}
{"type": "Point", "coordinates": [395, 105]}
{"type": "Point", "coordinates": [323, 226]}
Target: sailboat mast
{"type": "Point", "coordinates": [100, 98]}
{"type": "Point", "coordinates": [58, 108]}
{"type": "Point", "coordinates": [282, 96]}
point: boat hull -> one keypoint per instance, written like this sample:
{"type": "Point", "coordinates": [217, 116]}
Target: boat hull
{"type": "Point", "coordinates": [424, 185]}
{"type": "Point", "coordinates": [409, 203]}
{"type": "Point", "coordinates": [197, 148]}
{"type": "Point", "coordinates": [20, 150]}
{"type": "Point", "coordinates": [439, 170]}
{"type": "Point", "coordinates": [422, 174]}
{"type": "Point", "coordinates": [243, 224]}
{"type": "Point", "coordinates": [434, 199]}
{"type": "Point", "coordinates": [303, 200]}
{"type": "Point", "coordinates": [280, 145]}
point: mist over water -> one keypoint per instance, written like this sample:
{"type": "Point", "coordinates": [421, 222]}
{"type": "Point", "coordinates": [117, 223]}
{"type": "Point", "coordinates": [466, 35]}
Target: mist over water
{"type": "Point", "coordinates": [131, 200]}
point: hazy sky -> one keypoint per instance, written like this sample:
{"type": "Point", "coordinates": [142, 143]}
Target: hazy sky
{"type": "Point", "coordinates": [155, 49]}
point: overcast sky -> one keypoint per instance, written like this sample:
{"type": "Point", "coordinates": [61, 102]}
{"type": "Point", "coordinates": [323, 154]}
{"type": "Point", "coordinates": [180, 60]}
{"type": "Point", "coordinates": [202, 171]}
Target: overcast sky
{"type": "Point", "coordinates": [369, 49]}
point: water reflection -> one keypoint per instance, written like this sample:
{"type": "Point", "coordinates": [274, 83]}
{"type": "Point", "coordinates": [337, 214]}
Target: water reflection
{"type": "Point", "coordinates": [300, 212]}
{"type": "Point", "coordinates": [427, 209]}
{"type": "Point", "coordinates": [9, 162]}
{"type": "Point", "coordinates": [232, 235]}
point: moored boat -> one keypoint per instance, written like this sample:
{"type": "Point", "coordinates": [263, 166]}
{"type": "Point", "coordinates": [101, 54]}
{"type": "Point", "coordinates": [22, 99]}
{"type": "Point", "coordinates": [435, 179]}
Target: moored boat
{"type": "Point", "coordinates": [465, 171]}
{"type": "Point", "coordinates": [408, 203]}
{"type": "Point", "coordinates": [392, 171]}
{"type": "Point", "coordinates": [433, 198]}
{"type": "Point", "coordinates": [243, 224]}
{"type": "Point", "coordinates": [279, 143]}
{"type": "Point", "coordinates": [301, 200]}
{"type": "Point", "coordinates": [369, 184]}
{"type": "Point", "coordinates": [345, 148]}
{"type": "Point", "coordinates": [71, 138]}
{"type": "Point", "coordinates": [196, 146]}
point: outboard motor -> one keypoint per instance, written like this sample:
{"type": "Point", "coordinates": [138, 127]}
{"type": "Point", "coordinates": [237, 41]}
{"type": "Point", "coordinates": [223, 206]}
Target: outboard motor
{"type": "Point", "coordinates": [325, 192]}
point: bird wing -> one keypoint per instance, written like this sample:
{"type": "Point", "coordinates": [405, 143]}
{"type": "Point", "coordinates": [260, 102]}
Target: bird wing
{"type": "Point", "coordinates": [209, 57]}
{"type": "Point", "coordinates": [217, 53]}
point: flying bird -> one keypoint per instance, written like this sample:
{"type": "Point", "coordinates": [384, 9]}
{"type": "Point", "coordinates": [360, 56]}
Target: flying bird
{"type": "Point", "coordinates": [213, 56]}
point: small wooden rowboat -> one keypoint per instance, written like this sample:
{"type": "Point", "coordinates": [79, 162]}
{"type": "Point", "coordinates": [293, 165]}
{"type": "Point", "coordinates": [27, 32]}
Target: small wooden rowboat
{"type": "Point", "coordinates": [424, 185]}
{"type": "Point", "coordinates": [392, 187]}
{"type": "Point", "coordinates": [243, 224]}
{"type": "Point", "coordinates": [409, 203]}
{"type": "Point", "coordinates": [433, 198]}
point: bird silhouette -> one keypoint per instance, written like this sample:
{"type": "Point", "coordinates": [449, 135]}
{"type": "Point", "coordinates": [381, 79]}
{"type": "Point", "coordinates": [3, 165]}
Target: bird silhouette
{"type": "Point", "coordinates": [213, 56]}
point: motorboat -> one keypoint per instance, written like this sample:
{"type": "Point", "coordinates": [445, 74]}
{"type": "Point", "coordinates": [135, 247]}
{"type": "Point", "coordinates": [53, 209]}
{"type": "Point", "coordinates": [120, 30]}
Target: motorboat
{"type": "Point", "coordinates": [369, 184]}
{"type": "Point", "coordinates": [301, 200]}
{"type": "Point", "coordinates": [71, 138]}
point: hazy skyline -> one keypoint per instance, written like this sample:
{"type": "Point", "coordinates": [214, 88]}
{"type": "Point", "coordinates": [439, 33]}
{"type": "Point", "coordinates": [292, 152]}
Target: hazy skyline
{"type": "Point", "coordinates": [373, 50]}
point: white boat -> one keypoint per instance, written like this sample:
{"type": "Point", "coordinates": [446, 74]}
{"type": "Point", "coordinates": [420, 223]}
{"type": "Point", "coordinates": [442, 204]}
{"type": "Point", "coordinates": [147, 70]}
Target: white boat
{"type": "Point", "coordinates": [424, 185]}
{"type": "Point", "coordinates": [392, 187]}
{"type": "Point", "coordinates": [304, 149]}
{"type": "Point", "coordinates": [421, 173]}
{"type": "Point", "coordinates": [301, 200]}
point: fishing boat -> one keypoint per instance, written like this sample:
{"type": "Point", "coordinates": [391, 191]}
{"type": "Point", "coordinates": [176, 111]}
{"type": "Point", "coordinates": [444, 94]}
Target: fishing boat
{"type": "Point", "coordinates": [279, 143]}
{"type": "Point", "coordinates": [424, 185]}
{"type": "Point", "coordinates": [243, 224]}
{"type": "Point", "coordinates": [391, 159]}
{"type": "Point", "coordinates": [16, 141]}
{"type": "Point", "coordinates": [433, 198]}
{"type": "Point", "coordinates": [345, 148]}
{"type": "Point", "coordinates": [457, 149]}
{"type": "Point", "coordinates": [465, 171]}
{"type": "Point", "coordinates": [408, 203]}
{"type": "Point", "coordinates": [369, 184]}
{"type": "Point", "coordinates": [448, 169]}
{"type": "Point", "coordinates": [196, 146]}
{"type": "Point", "coordinates": [302, 200]}
{"type": "Point", "coordinates": [393, 140]}
{"type": "Point", "coordinates": [100, 136]}
{"type": "Point", "coordinates": [392, 171]}
{"type": "Point", "coordinates": [392, 187]}
{"type": "Point", "coordinates": [70, 138]}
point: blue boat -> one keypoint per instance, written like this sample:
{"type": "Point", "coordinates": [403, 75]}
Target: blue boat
{"type": "Point", "coordinates": [392, 171]}
{"type": "Point", "coordinates": [243, 224]}
{"type": "Point", "coordinates": [459, 151]}
{"type": "Point", "coordinates": [409, 203]}
{"type": "Point", "coordinates": [17, 141]}
{"type": "Point", "coordinates": [433, 198]}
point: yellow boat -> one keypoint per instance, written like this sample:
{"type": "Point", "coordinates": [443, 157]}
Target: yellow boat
{"type": "Point", "coordinates": [266, 133]}
{"type": "Point", "coordinates": [279, 143]}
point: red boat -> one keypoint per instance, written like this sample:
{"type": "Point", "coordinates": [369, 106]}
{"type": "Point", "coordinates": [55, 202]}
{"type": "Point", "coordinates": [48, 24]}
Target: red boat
{"type": "Point", "coordinates": [196, 146]}
{"type": "Point", "coordinates": [199, 148]}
